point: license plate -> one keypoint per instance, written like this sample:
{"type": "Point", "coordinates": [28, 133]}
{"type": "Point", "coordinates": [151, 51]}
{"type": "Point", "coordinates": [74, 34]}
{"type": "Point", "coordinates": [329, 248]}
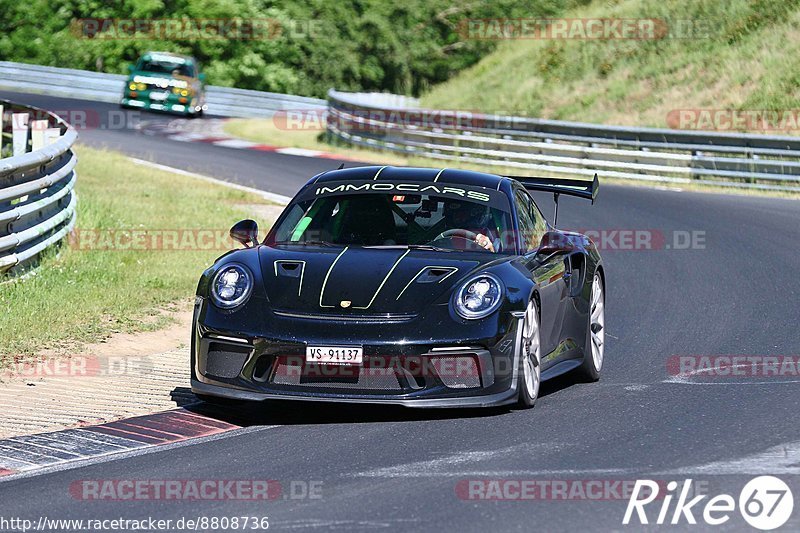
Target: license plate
{"type": "Point", "coordinates": [335, 355]}
{"type": "Point", "coordinates": [158, 96]}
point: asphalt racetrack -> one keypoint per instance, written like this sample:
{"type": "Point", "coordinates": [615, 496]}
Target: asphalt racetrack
{"type": "Point", "coordinates": [711, 275]}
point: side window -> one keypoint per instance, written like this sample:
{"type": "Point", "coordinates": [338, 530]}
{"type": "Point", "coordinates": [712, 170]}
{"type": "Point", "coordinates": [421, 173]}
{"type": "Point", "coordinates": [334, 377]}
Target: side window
{"type": "Point", "coordinates": [527, 227]}
{"type": "Point", "coordinates": [296, 213]}
{"type": "Point", "coordinates": [539, 222]}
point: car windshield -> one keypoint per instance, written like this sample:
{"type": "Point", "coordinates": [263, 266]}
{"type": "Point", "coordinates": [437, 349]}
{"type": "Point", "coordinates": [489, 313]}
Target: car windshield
{"type": "Point", "coordinates": [166, 67]}
{"type": "Point", "coordinates": [375, 219]}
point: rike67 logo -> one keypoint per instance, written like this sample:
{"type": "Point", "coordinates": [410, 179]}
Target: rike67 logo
{"type": "Point", "coordinates": [765, 503]}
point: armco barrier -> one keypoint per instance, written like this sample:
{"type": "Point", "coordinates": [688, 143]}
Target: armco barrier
{"type": "Point", "coordinates": [568, 148]}
{"type": "Point", "coordinates": [101, 87]}
{"type": "Point", "coordinates": [37, 180]}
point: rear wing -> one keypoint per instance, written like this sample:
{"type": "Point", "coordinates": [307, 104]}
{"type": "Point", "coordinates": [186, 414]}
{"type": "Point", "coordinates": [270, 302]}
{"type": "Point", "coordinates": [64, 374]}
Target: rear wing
{"type": "Point", "coordinates": [558, 186]}
{"type": "Point", "coordinates": [581, 188]}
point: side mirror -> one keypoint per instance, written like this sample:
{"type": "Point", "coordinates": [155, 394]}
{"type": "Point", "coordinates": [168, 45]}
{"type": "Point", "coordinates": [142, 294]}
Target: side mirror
{"type": "Point", "coordinates": [131, 68]}
{"type": "Point", "coordinates": [554, 242]}
{"type": "Point", "coordinates": [245, 232]}
{"type": "Point", "coordinates": [202, 77]}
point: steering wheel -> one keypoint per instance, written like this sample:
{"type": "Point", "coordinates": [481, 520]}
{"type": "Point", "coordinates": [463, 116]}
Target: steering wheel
{"type": "Point", "coordinates": [457, 234]}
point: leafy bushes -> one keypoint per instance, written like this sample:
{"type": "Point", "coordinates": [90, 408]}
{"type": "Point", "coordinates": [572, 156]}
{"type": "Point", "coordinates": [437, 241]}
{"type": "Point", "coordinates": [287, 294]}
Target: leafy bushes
{"type": "Point", "coordinates": [312, 45]}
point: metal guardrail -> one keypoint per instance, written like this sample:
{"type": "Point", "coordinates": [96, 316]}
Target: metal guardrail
{"type": "Point", "coordinates": [557, 147]}
{"type": "Point", "coordinates": [37, 181]}
{"type": "Point", "coordinates": [101, 87]}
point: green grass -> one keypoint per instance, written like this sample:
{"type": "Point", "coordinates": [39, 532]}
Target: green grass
{"type": "Point", "coordinates": [265, 131]}
{"type": "Point", "coordinates": [748, 58]}
{"type": "Point", "coordinates": [83, 295]}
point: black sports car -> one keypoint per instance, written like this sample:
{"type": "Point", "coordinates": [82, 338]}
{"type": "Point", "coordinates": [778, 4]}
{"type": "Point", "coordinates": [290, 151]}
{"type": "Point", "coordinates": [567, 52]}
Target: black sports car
{"type": "Point", "coordinates": [412, 286]}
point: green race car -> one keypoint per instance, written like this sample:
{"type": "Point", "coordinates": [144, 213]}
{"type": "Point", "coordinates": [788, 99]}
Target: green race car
{"type": "Point", "coordinates": [162, 81]}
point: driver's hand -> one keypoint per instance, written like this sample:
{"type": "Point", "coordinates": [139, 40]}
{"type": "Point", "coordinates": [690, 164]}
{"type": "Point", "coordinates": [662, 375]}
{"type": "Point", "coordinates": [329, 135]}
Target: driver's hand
{"type": "Point", "coordinates": [485, 242]}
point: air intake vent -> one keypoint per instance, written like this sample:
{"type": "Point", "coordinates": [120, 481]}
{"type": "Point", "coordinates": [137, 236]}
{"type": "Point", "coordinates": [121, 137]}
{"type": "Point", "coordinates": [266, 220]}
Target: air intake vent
{"type": "Point", "coordinates": [435, 274]}
{"type": "Point", "coordinates": [457, 371]}
{"type": "Point", "coordinates": [289, 269]}
{"type": "Point", "coordinates": [225, 360]}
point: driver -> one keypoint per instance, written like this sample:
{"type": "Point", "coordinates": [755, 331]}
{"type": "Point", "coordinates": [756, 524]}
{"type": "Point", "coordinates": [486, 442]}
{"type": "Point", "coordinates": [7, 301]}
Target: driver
{"type": "Point", "coordinates": [472, 217]}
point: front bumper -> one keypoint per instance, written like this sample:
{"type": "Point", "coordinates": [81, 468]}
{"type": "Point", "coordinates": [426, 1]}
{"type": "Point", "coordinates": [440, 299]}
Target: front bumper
{"type": "Point", "coordinates": [413, 372]}
{"type": "Point", "coordinates": [487, 400]}
{"type": "Point", "coordinates": [166, 106]}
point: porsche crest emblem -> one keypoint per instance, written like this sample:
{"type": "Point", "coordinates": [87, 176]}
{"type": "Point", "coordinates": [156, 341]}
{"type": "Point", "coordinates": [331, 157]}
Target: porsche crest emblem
{"type": "Point", "coordinates": [345, 303]}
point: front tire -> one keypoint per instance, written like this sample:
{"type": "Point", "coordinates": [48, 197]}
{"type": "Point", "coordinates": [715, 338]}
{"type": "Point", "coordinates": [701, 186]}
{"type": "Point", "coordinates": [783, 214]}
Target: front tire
{"type": "Point", "coordinates": [594, 351]}
{"type": "Point", "coordinates": [530, 358]}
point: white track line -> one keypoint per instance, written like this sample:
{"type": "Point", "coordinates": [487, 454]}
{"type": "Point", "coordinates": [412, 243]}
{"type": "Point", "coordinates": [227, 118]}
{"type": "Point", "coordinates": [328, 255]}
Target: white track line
{"type": "Point", "coordinates": [235, 143]}
{"type": "Point", "coordinates": [303, 152]}
{"type": "Point", "coordinates": [272, 197]}
{"type": "Point", "coordinates": [783, 459]}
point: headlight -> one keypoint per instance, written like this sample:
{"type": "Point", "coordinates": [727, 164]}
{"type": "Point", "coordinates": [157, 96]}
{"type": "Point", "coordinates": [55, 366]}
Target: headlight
{"type": "Point", "coordinates": [231, 286]}
{"type": "Point", "coordinates": [479, 297]}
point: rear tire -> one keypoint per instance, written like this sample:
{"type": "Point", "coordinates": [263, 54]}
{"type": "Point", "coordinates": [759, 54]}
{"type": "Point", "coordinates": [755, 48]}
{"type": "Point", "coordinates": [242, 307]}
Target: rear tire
{"type": "Point", "coordinates": [530, 372]}
{"type": "Point", "coordinates": [594, 351]}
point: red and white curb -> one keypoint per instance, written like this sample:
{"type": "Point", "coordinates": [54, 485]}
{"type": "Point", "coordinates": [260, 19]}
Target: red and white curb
{"type": "Point", "coordinates": [211, 132]}
{"type": "Point", "coordinates": [28, 453]}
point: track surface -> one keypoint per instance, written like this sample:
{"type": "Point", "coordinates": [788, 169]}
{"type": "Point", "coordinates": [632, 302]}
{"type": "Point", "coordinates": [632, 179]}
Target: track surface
{"type": "Point", "coordinates": [398, 468]}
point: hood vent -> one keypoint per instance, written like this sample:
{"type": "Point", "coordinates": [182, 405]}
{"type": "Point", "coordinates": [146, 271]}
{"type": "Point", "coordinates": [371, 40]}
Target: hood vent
{"type": "Point", "coordinates": [289, 269]}
{"type": "Point", "coordinates": [430, 274]}
{"type": "Point", "coordinates": [435, 274]}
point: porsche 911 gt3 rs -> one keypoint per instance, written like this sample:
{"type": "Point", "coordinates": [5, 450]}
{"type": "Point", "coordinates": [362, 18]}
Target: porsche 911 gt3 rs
{"type": "Point", "coordinates": [412, 286]}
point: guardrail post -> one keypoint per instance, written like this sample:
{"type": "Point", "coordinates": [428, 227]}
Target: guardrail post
{"type": "Point", "coordinates": [19, 133]}
{"type": "Point", "coordinates": [38, 128]}
{"type": "Point", "coordinates": [51, 135]}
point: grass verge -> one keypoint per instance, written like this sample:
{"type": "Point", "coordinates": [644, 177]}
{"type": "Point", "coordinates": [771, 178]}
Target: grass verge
{"type": "Point", "coordinates": [264, 130]}
{"type": "Point", "coordinates": [737, 54]}
{"type": "Point", "coordinates": [87, 291]}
